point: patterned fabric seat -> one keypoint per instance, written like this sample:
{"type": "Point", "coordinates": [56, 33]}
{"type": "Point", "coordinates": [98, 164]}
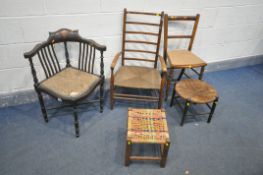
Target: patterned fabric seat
{"type": "Point", "coordinates": [138, 77]}
{"type": "Point", "coordinates": [70, 84]}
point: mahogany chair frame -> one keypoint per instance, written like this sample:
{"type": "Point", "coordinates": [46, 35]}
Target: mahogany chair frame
{"type": "Point", "coordinates": [131, 97]}
{"type": "Point", "coordinates": [47, 56]}
{"type": "Point", "coordinates": [191, 37]}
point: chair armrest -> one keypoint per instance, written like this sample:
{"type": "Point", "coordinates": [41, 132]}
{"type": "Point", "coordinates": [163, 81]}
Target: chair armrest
{"type": "Point", "coordinates": [114, 61]}
{"type": "Point", "coordinates": [163, 64]}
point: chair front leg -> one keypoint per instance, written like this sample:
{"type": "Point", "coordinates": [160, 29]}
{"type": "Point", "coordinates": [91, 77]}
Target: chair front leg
{"type": "Point", "coordinates": [161, 91]}
{"type": "Point", "coordinates": [42, 104]}
{"type": "Point", "coordinates": [102, 94]}
{"type": "Point", "coordinates": [76, 122]}
{"type": "Point", "coordinates": [112, 90]}
{"type": "Point", "coordinates": [201, 73]}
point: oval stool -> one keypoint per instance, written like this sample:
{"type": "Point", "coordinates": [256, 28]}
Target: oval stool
{"type": "Point", "coordinates": [195, 92]}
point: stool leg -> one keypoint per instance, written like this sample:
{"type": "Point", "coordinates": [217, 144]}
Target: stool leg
{"type": "Point", "coordinates": [128, 153]}
{"type": "Point", "coordinates": [187, 104]}
{"type": "Point", "coordinates": [201, 73]}
{"type": "Point", "coordinates": [76, 122]}
{"type": "Point", "coordinates": [212, 110]}
{"type": "Point", "coordinates": [164, 154]}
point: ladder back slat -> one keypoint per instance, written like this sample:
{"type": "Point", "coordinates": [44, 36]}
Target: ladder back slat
{"type": "Point", "coordinates": [180, 36]}
{"type": "Point", "coordinates": [144, 13]}
{"type": "Point", "coordinates": [142, 33]}
{"type": "Point", "coordinates": [142, 42]}
{"type": "Point", "coordinates": [142, 23]}
{"type": "Point", "coordinates": [140, 59]}
{"type": "Point", "coordinates": [181, 18]}
{"type": "Point", "coordinates": [142, 51]}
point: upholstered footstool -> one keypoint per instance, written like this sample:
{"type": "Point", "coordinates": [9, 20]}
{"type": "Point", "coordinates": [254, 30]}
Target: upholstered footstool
{"type": "Point", "coordinates": [147, 126]}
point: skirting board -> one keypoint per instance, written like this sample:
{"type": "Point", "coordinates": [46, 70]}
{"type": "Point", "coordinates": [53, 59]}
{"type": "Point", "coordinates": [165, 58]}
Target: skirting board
{"type": "Point", "coordinates": [30, 96]}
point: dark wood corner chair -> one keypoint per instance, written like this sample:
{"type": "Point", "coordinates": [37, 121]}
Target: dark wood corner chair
{"type": "Point", "coordinates": [68, 84]}
{"type": "Point", "coordinates": [179, 58]}
{"type": "Point", "coordinates": [139, 77]}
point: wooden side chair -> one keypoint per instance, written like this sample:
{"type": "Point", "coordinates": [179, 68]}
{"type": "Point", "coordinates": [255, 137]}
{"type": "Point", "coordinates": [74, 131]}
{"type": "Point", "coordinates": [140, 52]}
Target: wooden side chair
{"type": "Point", "coordinates": [179, 58]}
{"type": "Point", "coordinates": [68, 84]}
{"type": "Point", "coordinates": [139, 77]}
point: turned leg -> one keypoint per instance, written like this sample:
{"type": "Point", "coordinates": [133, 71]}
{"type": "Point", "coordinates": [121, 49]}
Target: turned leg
{"type": "Point", "coordinates": [42, 105]}
{"type": "Point", "coordinates": [76, 122]}
{"type": "Point", "coordinates": [101, 94]}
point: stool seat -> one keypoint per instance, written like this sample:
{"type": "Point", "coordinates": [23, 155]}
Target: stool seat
{"type": "Point", "coordinates": [196, 91]}
{"type": "Point", "coordinates": [147, 126]}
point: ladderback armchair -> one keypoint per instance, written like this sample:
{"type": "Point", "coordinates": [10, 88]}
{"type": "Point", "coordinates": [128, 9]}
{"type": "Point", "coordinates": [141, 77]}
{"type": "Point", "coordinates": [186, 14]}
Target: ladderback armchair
{"type": "Point", "coordinates": [140, 43]}
{"type": "Point", "coordinates": [62, 80]}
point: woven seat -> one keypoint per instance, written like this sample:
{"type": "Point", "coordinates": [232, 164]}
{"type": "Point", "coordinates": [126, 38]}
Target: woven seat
{"type": "Point", "coordinates": [137, 77]}
{"type": "Point", "coordinates": [196, 91]}
{"type": "Point", "coordinates": [184, 59]}
{"type": "Point", "coordinates": [147, 126]}
{"type": "Point", "coordinates": [70, 84]}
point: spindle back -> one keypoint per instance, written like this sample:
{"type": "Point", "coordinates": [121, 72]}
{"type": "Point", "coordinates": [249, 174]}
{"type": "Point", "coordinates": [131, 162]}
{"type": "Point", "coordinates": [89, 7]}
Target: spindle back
{"type": "Point", "coordinates": [48, 56]}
